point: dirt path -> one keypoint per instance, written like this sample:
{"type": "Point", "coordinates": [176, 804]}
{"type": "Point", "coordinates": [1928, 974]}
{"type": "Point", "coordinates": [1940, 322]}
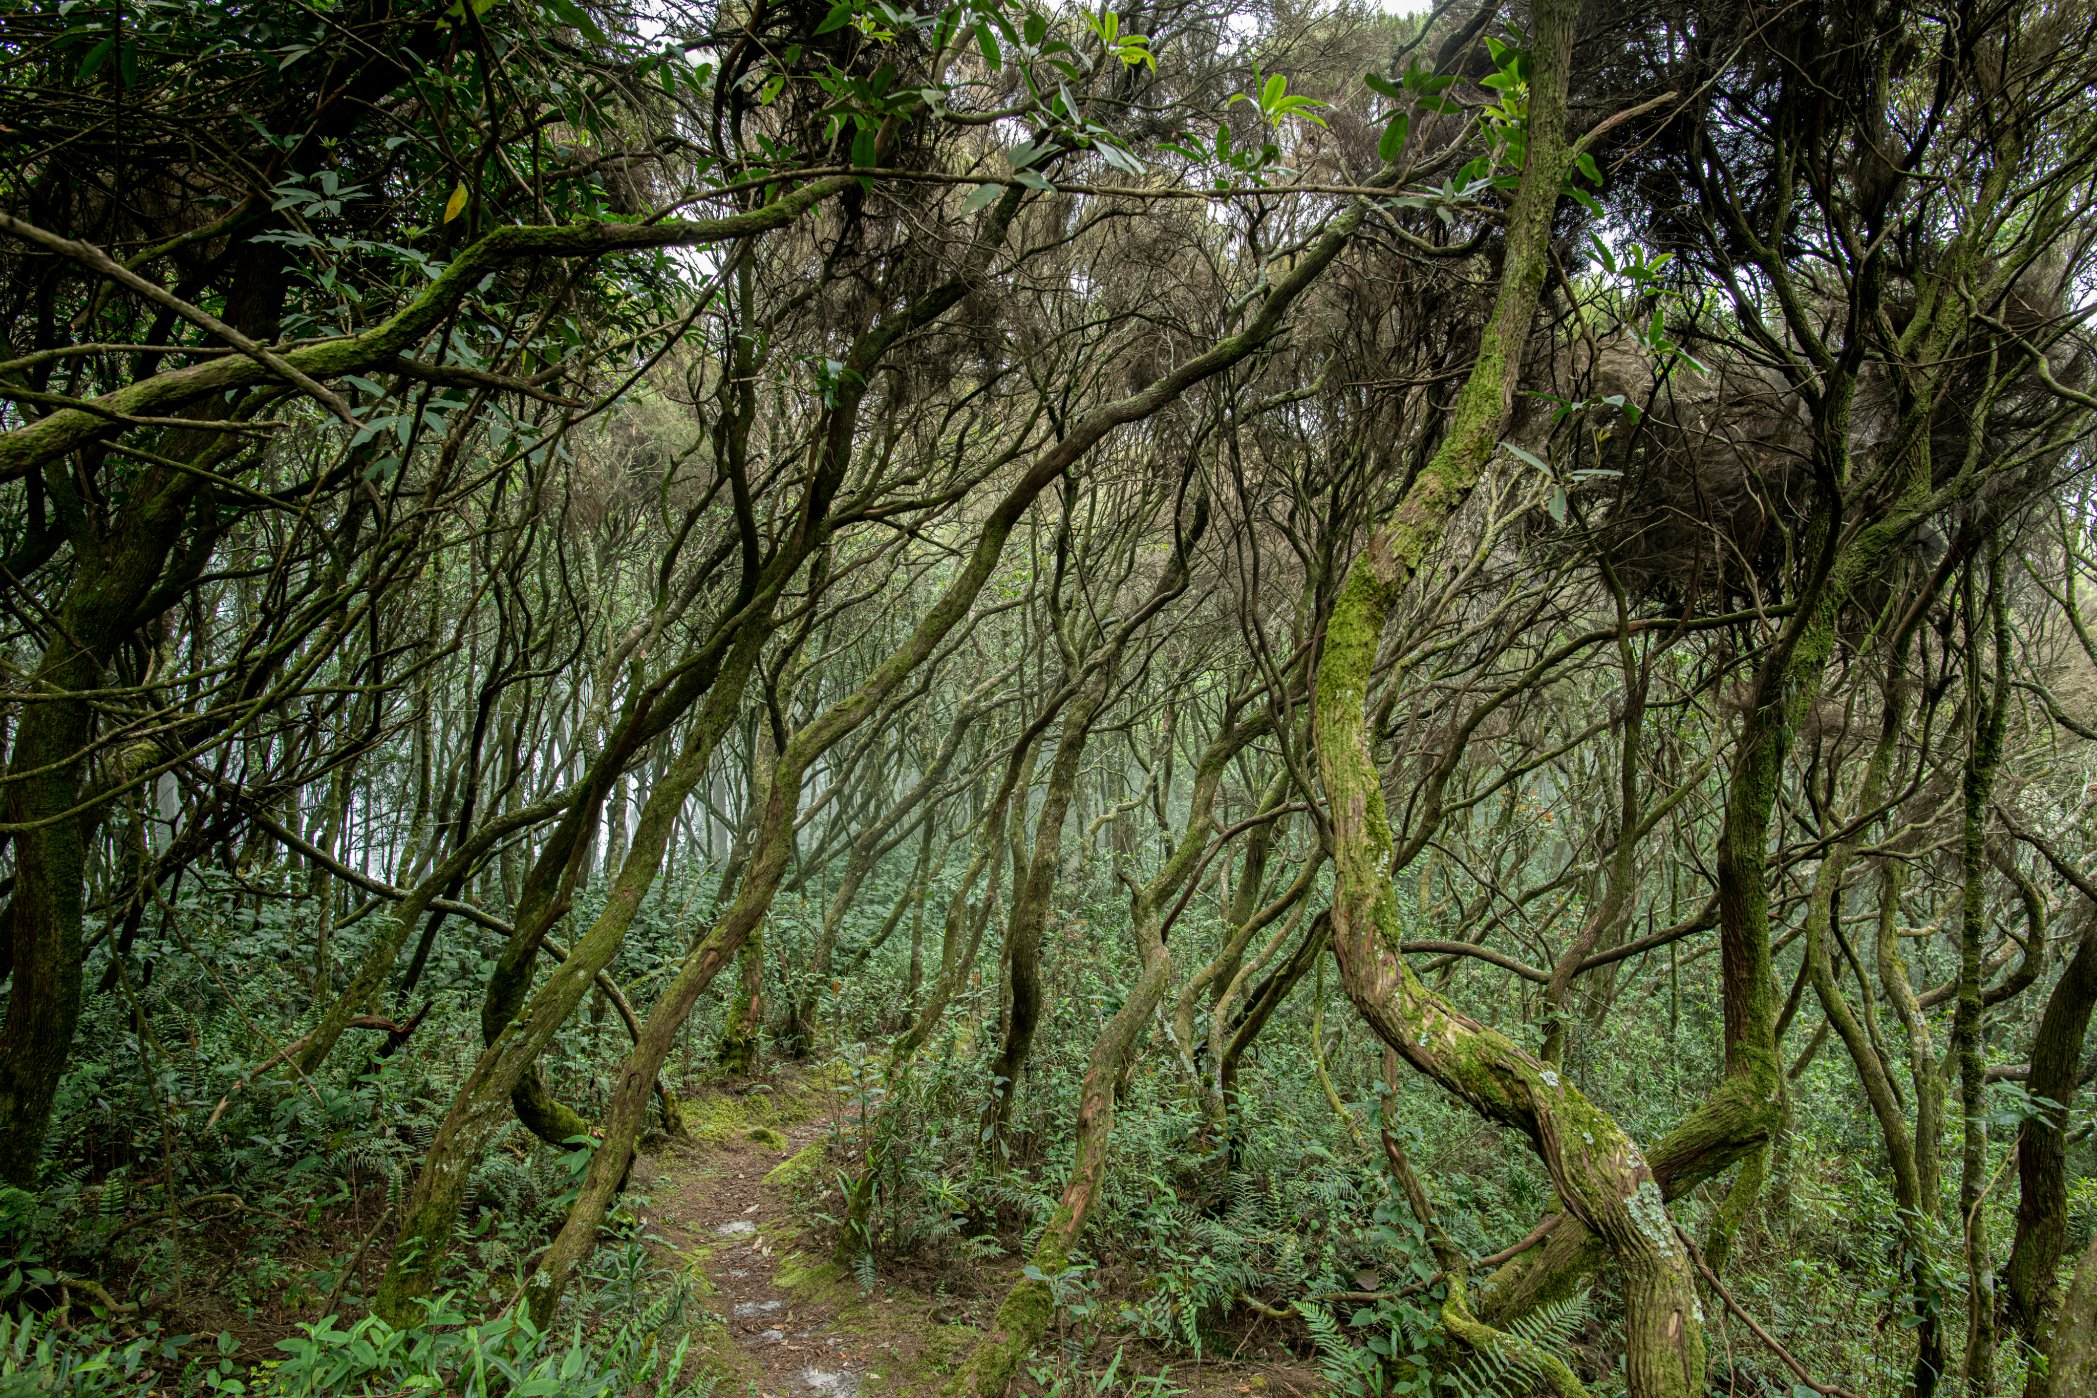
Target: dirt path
{"type": "Point", "coordinates": [730, 1203]}
{"type": "Point", "coordinates": [796, 1325]}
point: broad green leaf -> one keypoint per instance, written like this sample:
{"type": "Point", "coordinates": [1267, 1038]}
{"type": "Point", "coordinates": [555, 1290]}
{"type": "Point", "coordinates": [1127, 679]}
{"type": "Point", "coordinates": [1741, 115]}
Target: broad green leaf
{"type": "Point", "coordinates": [1391, 144]}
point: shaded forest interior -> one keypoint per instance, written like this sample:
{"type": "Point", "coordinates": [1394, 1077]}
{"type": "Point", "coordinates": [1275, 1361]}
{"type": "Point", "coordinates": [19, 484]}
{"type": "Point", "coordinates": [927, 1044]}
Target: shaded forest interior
{"type": "Point", "coordinates": [1225, 696]}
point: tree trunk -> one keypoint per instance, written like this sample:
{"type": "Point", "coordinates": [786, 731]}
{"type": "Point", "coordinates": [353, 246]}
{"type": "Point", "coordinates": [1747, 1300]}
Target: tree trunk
{"type": "Point", "coordinates": [2042, 1198]}
{"type": "Point", "coordinates": [1033, 896]}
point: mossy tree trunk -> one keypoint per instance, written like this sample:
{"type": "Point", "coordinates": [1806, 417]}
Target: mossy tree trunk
{"type": "Point", "coordinates": [743, 1028]}
{"type": "Point", "coordinates": [2072, 1367]}
{"type": "Point", "coordinates": [1599, 1172]}
{"type": "Point", "coordinates": [1854, 534]}
{"type": "Point", "coordinates": [743, 1024]}
{"type": "Point", "coordinates": [1987, 625]}
{"type": "Point", "coordinates": [49, 801]}
{"type": "Point", "coordinates": [1033, 896]}
{"type": "Point", "coordinates": [1913, 1193]}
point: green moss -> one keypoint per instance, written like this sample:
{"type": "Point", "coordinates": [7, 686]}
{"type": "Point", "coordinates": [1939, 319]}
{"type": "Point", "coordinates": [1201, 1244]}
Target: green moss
{"type": "Point", "coordinates": [696, 1257]}
{"type": "Point", "coordinates": [807, 1276]}
{"type": "Point", "coordinates": [802, 1170]}
{"type": "Point", "coordinates": [940, 1350]}
{"type": "Point", "coordinates": [1022, 1321]}
{"type": "Point", "coordinates": [717, 1120]}
{"type": "Point", "coordinates": [766, 1136]}
{"type": "Point", "coordinates": [1733, 1210]}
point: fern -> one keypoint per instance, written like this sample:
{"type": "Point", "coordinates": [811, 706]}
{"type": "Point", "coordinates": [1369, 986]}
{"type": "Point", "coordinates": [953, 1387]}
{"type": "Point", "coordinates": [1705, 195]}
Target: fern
{"type": "Point", "coordinates": [1345, 1368]}
{"type": "Point", "coordinates": [1510, 1367]}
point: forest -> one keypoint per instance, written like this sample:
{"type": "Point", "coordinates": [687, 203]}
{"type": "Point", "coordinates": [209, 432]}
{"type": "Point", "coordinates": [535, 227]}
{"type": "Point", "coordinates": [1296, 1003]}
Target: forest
{"type": "Point", "coordinates": [759, 698]}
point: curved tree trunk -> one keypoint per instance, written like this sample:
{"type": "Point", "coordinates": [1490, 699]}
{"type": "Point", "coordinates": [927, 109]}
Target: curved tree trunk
{"type": "Point", "coordinates": [1600, 1174]}
{"type": "Point", "coordinates": [1032, 897]}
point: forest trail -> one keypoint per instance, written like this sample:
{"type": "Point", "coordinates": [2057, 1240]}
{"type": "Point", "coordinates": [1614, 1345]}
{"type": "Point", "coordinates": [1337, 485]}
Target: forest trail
{"type": "Point", "coordinates": [729, 1203]}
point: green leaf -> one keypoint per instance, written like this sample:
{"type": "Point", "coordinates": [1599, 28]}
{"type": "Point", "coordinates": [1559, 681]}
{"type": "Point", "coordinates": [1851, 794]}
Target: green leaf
{"type": "Point", "coordinates": [1524, 454]}
{"type": "Point", "coordinates": [1271, 95]}
{"type": "Point", "coordinates": [577, 18]}
{"type": "Point", "coordinates": [840, 15]}
{"type": "Point", "coordinates": [863, 151]}
{"type": "Point", "coordinates": [1120, 159]}
{"type": "Point", "coordinates": [981, 198]}
{"type": "Point", "coordinates": [95, 56]}
{"type": "Point", "coordinates": [987, 45]}
{"type": "Point", "coordinates": [1384, 87]}
{"type": "Point", "coordinates": [1391, 144]}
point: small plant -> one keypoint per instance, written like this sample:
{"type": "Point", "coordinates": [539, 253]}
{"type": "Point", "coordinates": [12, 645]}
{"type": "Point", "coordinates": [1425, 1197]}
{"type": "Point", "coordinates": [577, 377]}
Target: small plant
{"type": "Point", "coordinates": [39, 1356]}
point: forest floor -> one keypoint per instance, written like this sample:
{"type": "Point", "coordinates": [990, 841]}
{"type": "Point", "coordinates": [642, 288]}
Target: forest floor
{"type": "Point", "coordinates": [731, 1204]}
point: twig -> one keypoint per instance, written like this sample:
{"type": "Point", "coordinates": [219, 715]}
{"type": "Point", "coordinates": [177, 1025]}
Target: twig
{"type": "Point", "coordinates": [1798, 1370]}
{"type": "Point", "coordinates": [239, 1205]}
{"type": "Point", "coordinates": [356, 1261]}
{"type": "Point", "coordinates": [1531, 1239]}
